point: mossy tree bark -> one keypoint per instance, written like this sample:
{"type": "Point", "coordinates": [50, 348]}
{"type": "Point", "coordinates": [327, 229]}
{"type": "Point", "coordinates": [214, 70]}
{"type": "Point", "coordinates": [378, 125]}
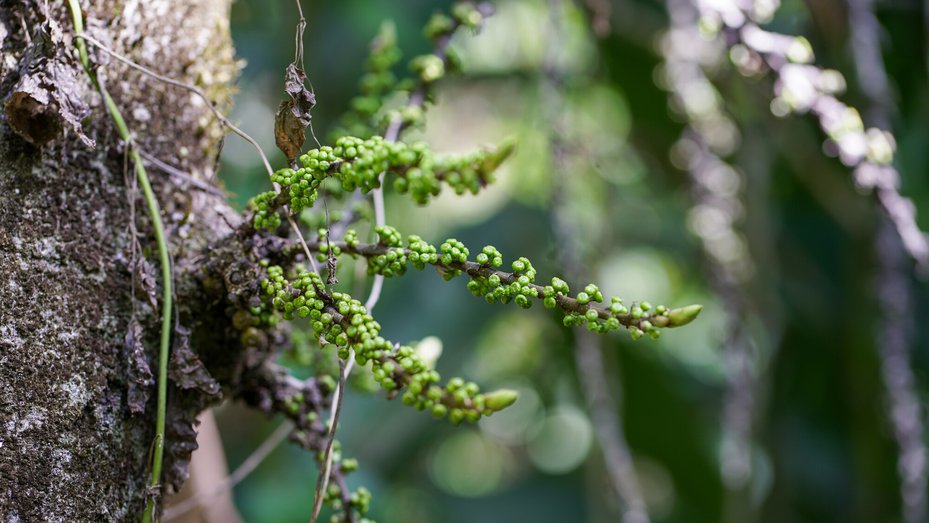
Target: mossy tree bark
{"type": "Point", "coordinates": [71, 276]}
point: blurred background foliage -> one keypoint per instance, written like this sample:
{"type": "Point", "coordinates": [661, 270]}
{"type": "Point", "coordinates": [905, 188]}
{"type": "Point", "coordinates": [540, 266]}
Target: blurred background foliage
{"type": "Point", "coordinates": [824, 450]}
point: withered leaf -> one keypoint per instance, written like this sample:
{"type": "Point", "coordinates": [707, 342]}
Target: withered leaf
{"type": "Point", "coordinates": [293, 115]}
{"type": "Point", "coordinates": [47, 95]}
{"type": "Point", "coordinates": [140, 374]}
{"type": "Point", "coordinates": [186, 369]}
{"type": "Point", "coordinates": [181, 441]}
{"type": "Point", "coordinates": [194, 391]}
{"type": "Point", "coordinates": [144, 273]}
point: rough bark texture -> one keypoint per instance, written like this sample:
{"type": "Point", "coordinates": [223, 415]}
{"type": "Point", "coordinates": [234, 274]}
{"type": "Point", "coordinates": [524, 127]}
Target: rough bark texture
{"type": "Point", "coordinates": [70, 447]}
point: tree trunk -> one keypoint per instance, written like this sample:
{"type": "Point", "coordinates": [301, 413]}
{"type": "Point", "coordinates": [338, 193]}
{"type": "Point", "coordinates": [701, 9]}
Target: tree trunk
{"type": "Point", "coordinates": [71, 277]}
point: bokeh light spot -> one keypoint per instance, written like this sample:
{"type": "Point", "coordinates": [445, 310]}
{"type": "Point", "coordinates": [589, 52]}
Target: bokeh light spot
{"type": "Point", "coordinates": [468, 465]}
{"type": "Point", "coordinates": [561, 441]}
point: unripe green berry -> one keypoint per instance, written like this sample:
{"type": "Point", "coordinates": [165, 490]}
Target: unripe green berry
{"type": "Point", "coordinates": [439, 410]}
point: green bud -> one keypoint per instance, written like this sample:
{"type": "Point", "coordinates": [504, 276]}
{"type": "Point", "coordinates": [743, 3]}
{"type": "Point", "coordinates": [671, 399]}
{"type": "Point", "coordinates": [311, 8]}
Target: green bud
{"type": "Point", "coordinates": [429, 67]}
{"type": "Point", "coordinates": [499, 155]}
{"type": "Point", "coordinates": [438, 25]}
{"type": "Point", "coordinates": [500, 399]}
{"type": "Point", "coordinates": [683, 315]}
{"type": "Point", "coordinates": [349, 465]}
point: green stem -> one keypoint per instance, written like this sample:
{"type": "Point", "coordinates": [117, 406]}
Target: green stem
{"type": "Point", "coordinates": [155, 212]}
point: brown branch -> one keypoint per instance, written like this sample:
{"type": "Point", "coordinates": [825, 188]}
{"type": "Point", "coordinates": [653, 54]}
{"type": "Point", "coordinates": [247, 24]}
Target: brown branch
{"type": "Point", "coordinates": [894, 338]}
{"type": "Point", "coordinates": [177, 173]}
{"type": "Point", "coordinates": [476, 270]}
{"type": "Point", "coordinates": [802, 87]}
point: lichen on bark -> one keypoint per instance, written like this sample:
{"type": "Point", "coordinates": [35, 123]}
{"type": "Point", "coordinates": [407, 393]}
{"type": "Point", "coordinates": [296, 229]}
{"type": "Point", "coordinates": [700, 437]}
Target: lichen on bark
{"type": "Point", "coordinates": [71, 449]}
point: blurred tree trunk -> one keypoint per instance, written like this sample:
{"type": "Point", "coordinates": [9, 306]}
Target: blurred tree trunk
{"type": "Point", "coordinates": [70, 447]}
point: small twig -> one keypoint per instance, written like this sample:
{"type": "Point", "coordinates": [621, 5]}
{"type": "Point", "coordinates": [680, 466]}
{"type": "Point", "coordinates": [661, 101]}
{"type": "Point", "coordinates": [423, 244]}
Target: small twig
{"type": "Point", "coordinates": [323, 478]}
{"type": "Point", "coordinates": [331, 263]}
{"type": "Point", "coordinates": [218, 115]}
{"type": "Point", "coordinates": [240, 473]}
{"type": "Point", "coordinates": [608, 424]}
{"type": "Point", "coordinates": [197, 91]}
{"type": "Point", "coordinates": [298, 58]}
{"type": "Point", "coordinates": [322, 481]}
{"type": "Point", "coordinates": [277, 387]}
{"type": "Point", "coordinates": [177, 173]}
{"type": "Point", "coordinates": [298, 37]}
{"type": "Point", "coordinates": [306, 249]}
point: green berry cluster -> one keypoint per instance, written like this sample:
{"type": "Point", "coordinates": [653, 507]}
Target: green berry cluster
{"type": "Point", "coordinates": [343, 321]}
{"type": "Point", "coordinates": [361, 500]}
{"type": "Point", "coordinates": [458, 400]}
{"type": "Point", "coordinates": [299, 297]}
{"type": "Point", "coordinates": [259, 314]}
{"type": "Point", "coordinates": [357, 163]}
{"type": "Point", "coordinates": [438, 26]}
{"type": "Point", "coordinates": [468, 15]}
{"type": "Point", "coordinates": [518, 289]}
{"type": "Point", "coordinates": [393, 262]}
{"type": "Point", "coordinates": [266, 216]}
{"type": "Point", "coordinates": [325, 246]}
{"type": "Point", "coordinates": [490, 257]}
{"type": "Point", "coordinates": [428, 67]}
{"type": "Point", "coordinates": [358, 502]}
{"type": "Point", "coordinates": [453, 252]}
{"type": "Point", "coordinates": [421, 252]}
{"type": "Point", "coordinates": [351, 239]}
{"type": "Point", "coordinates": [389, 236]}
{"type": "Point", "coordinates": [463, 14]}
{"type": "Point", "coordinates": [303, 183]}
{"type": "Point", "coordinates": [388, 257]}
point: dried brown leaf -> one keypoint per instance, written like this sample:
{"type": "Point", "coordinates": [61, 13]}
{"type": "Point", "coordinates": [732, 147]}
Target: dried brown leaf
{"type": "Point", "coordinates": [186, 369]}
{"type": "Point", "coordinates": [47, 97]}
{"type": "Point", "coordinates": [140, 373]}
{"type": "Point", "coordinates": [293, 115]}
{"type": "Point", "coordinates": [145, 280]}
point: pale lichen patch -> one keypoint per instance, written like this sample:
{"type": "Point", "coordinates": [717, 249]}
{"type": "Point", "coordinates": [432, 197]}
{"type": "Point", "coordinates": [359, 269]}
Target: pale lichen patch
{"type": "Point", "coordinates": [76, 394]}
{"type": "Point", "coordinates": [33, 420]}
